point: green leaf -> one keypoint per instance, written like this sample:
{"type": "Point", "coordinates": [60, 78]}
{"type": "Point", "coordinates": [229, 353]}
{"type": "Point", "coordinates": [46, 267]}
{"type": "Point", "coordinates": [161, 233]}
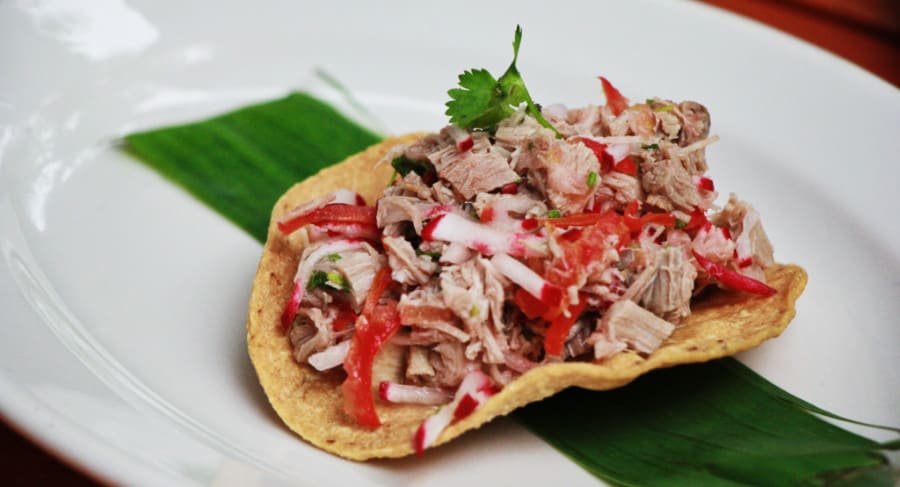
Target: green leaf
{"type": "Point", "coordinates": [241, 162]}
{"type": "Point", "coordinates": [482, 102]}
{"type": "Point", "coordinates": [318, 280]}
{"type": "Point", "coordinates": [717, 423]}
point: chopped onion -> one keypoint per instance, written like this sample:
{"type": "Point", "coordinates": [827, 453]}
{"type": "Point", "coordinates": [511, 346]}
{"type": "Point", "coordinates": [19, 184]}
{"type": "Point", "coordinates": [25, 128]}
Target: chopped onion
{"type": "Point", "coordinates": [476, 388]}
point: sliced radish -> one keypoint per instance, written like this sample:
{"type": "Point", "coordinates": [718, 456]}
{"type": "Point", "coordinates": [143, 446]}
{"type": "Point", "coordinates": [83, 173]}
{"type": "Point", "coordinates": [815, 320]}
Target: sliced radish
{"type": "Point", "coordinates": [462, 138]}
{"type": "Point", "coordinates": [331, 357]}
{"type": "Point", "coordinates": [618, 151]}
{"type": "Point", "coordinates": [529, 280]}
{"type": "Point", "coordinates": [451, 227]}
{"type": "Point", "coordinates": [704, 183]}
{"type": "Point", "coordinates": [402, 393]}
{"type": "Point", "coordinates": [350, 230]}
{"type": "Point", "coordinates": [476, 388]}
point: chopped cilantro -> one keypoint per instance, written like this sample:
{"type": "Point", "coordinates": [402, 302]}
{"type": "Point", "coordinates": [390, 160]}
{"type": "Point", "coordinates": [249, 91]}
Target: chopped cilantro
{"type": "Point", "coordinates": [318, 280]}
{"type": "Point", "coordinates": [336, 280]}
{"type": "Point", "coordinates": [481, 101]}
{"type": "Point", "coordinates": [404, 166]}
{"type": "Point", "coordinates": [650, 146]}
{"type": "Point", "coordinates": [680, 223]}
{"type": "Point", "coordinates": [327, 280]}
{"type": "Point", "coordinates": [333, 257]}
{"type": "Point", "coordinates": [592, 179]}
{"type": "Point", "coordinates": [664, 108]}
{"type": "Point", "coordinates": [433, 255]}
{"type": "Point", "coordinates": [649, 101]}
{"type": "Point", "coordinates": [553, 214]}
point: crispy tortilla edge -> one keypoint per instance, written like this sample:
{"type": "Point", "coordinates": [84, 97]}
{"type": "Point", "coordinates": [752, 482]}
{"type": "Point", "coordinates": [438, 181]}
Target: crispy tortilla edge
{"type": "Point", "coordinates": [310, 403]}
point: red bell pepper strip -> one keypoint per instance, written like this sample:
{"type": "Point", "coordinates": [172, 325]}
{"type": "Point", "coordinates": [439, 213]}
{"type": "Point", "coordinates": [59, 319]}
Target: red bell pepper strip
{"type": "Point", "coordinates": [380, 283]}
{"type": "Point", "coordinates": [335, 214]}
{"type": "Point", "coordinates": [376, 325]}
{"type": "Point", "coordinates": [614, 100]}
{"type": "Point", "coordinates": [626, 166]}
{"type": "Point", "coordinates": [733, 279]}
{"type": "Point", "coordinates": [575, 220]}
{"type": "Point", "coordinates": [370, 334]}
{"type": "Point", "coordinates": [560, 327]}
{"type": "Point", "coordinates": [487, 214]}
{"type": "Point", "coordinates": [635, 224]}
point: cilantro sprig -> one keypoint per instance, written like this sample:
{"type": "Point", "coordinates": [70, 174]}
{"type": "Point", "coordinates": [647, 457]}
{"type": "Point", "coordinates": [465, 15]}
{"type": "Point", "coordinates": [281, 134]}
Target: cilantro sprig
{"type": "Point", "coordinates": [481, 101]}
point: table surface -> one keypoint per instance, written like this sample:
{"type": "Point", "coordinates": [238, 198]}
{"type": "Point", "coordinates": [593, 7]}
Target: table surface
{"type": "Point", "coordinates": [865, 32]}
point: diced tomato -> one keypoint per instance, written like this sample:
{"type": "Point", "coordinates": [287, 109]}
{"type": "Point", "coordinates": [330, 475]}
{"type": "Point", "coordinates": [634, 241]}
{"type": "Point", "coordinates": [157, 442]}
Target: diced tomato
{"type": "Point", "coordinates": [368, 337]}
{"type": "Point", "coordinates": [530, 305]}
{"type": "Point", "coordinates": [626, 166]}
{"type": "Point", "coordinates": [606, 160]}
{"type": "Point", "coordinates": [614, 100]}
{"type": "Point", "coordinates": [511, 188]}
{"type": "Point", "coordinates": [487, 214]}
{"type": "Point", "coordinates": [706, 184]}
{"type": "Point", "coordinates": [560, 327]}
{"type": "Point", "coordinates": [698, 220]}
{"type": "Point", "coordinates": [345, 316]}
{"type": "Point", "coordinates": [731, 278]}
{"type": "Point", "coordinates": [334, 213]}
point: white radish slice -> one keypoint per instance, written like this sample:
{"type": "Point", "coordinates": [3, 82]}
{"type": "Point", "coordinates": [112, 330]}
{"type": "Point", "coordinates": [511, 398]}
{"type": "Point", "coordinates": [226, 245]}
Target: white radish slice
{"type": "Point", "coordinates": [331, 357]}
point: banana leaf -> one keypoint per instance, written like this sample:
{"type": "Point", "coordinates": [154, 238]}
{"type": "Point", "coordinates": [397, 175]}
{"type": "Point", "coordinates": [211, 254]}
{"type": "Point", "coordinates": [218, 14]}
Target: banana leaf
{"type": "Point", "coordinates": [717, 423]}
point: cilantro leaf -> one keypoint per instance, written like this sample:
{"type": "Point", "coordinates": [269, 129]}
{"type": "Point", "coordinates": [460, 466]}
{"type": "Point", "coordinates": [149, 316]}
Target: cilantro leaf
{"type": "Point", "coordinates": [317, 280]}
{"type": "Point", "coordinates": [482, 102]}
{"type": "Point", "coordinates": [404, 166]}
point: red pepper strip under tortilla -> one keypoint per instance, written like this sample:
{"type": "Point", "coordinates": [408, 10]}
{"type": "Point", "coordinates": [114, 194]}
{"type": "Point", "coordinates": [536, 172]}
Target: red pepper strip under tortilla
{"type": "Point", "coordinates": [731, 278]}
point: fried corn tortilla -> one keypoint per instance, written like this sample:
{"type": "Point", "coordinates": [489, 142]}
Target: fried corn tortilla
{"type": "Point", "coordinates": [311, 403]}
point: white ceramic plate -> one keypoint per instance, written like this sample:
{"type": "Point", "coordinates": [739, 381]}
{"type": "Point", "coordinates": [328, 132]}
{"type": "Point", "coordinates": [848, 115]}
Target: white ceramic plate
{"type": "Point", "coordinates": [123, 300]}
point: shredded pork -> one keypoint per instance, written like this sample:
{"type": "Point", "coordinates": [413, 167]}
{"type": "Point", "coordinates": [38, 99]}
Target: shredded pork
{"type": "Point", "coordinates": [631, 276]}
